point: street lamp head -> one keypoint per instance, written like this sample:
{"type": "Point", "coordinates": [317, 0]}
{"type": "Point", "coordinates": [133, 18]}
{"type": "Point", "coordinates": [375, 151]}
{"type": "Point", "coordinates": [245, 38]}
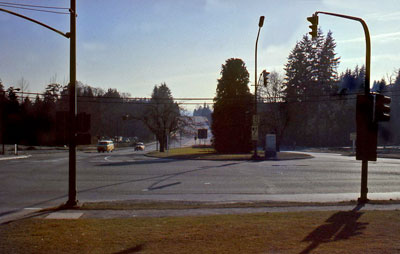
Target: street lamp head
{"type": "Point", "coordinates": [261, 22]}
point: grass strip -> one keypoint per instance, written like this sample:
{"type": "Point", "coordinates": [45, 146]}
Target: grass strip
{"type": "Point", "coordinates": [300, 232]}
{"type": "Point", "coordinates": [195, 153]}
{"type": "Point", "coordinates": [180, 205]}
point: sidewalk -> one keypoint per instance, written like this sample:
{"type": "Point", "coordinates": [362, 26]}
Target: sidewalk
{"type": "Point", "coordinates": [111, 214]}
{"type": "Point", "coordinates": [159, 213]}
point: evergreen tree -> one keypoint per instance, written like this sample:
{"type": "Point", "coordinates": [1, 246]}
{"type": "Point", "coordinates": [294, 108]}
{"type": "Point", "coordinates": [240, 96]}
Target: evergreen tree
{"type": "Point", "coordinates": [311, 68]}
{"type": "Point", "coordinates": [233, 107]}
{"type": "Point", "coordinates": [327, 65]}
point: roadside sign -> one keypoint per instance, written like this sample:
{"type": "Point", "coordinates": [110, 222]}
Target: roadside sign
{"type": "Point", "coordinates": [254, 132]}
{"type": "Point", "coordinates": [353, 136]}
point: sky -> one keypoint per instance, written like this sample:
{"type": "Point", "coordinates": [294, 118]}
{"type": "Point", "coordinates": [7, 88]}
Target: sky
{"type": "Point", "coordinates": [132, 45]}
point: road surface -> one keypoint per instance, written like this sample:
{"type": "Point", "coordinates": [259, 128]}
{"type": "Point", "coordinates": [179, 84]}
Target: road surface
{"type": "Point", "coordinates": [42, 179]}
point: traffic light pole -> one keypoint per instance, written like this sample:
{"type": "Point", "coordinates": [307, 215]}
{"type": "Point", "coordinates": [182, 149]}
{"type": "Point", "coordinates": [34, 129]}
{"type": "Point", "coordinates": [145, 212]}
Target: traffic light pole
{"type": "Point", "coordinates": [72, 95]}
{"type": "Point", "coordinates": [364, 164]}
{"type": "Point", "coordinates": [72, 202]}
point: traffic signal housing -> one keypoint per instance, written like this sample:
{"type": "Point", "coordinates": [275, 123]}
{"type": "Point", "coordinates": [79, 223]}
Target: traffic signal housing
{"type": "Point", "coordinates": [314, 26]}
{"type": "Point", "coordinates": [367, 128]}
{"type": "Point", "coordinates": [382, 108]}
{"type": "Point", "coordinates": [265, 77]}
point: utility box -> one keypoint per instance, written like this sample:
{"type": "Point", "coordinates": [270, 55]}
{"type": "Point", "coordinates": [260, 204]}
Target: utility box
{"type": "Point", "coordinates": [270, 146]}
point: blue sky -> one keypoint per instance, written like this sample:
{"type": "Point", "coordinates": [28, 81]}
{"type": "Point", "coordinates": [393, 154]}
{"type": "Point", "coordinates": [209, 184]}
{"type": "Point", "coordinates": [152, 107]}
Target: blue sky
{"type": "Point", "coordinates": [132, 45]}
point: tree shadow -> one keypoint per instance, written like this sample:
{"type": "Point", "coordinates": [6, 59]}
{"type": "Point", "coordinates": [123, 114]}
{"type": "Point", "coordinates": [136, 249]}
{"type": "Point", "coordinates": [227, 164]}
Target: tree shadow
{"type": "Point", "coordinates": [340, 226]}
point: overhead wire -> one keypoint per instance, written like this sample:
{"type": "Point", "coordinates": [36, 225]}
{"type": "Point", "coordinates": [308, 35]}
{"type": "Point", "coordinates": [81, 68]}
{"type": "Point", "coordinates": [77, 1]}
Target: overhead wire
{"type": "Point", "coordinates": [147, 100]}
{"type": "Point", "coordinates": [32, 9]}
{"type": "Point", "coordinates": [37, 6]}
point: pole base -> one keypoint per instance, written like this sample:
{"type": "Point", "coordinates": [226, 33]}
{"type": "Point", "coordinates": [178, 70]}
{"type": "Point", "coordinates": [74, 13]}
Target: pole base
{"type": "Point", "coordinates": [363, 200]}
{"type": "Point", "coordinates": [70, 204]}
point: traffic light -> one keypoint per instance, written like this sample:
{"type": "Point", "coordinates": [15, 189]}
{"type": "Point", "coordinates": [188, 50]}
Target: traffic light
{"type": "Point", "coordinates": [382, 108]}
{"type": "Point", "coordinates": [367, 128]}
{"type": "Point", "coordinates": [314, 26]}
{"type": "Point", "coordinates": [265, 77]}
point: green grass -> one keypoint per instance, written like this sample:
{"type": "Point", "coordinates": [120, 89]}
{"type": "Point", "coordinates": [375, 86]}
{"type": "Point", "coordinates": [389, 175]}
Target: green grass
{"type": "Point", "coordinates": [191, 153]}
{"type": "Point", "coordinates": [301, 232]}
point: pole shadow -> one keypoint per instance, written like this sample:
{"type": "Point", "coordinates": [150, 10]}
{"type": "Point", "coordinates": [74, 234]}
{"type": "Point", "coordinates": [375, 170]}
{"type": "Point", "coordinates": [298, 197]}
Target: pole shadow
{"type": "Point", "coordinates": [340, 226]}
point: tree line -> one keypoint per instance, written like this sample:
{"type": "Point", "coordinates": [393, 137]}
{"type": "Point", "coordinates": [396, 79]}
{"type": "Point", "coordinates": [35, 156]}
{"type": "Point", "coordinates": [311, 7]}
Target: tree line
{"type": "Point", "coordinates": [32, 119]}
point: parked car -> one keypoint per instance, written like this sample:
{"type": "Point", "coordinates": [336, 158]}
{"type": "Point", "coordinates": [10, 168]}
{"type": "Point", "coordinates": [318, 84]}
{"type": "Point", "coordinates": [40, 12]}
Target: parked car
{"type": "Point", "coordinates": [139, 146]}
{"type": "Point", "coordinates": [105, 146]}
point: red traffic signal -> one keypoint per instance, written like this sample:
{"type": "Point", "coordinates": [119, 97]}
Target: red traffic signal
{"type": "Point", "coordinates": [382, 108]}
{"type": "Point", "coordinates": [314, 26]}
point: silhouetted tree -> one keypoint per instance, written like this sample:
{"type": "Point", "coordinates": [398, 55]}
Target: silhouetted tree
{"type": "Point", "coordinates": [161, 114]}
{"type": "Point", "coordinates": [12, 117]}
{"type": "Point", "coordinates": [233, 108]}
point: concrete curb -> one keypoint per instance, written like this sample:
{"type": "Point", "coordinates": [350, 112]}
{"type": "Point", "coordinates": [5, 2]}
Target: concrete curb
{"type": "Point", "coordinates": [111, 214]}
{"type": "Point", "coordinates": [5, 157]}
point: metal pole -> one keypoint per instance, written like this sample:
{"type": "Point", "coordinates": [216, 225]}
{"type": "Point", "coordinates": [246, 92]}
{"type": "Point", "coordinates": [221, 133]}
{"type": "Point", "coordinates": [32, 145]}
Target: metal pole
{"type": "Point", "coordinates": [72, 110]}
{"type": "Point", "coordinates": [255, 91]}
{"type": "Point", "coordinates": [364, 180]}
{"type": "Point", "coordinates": [364, 164]}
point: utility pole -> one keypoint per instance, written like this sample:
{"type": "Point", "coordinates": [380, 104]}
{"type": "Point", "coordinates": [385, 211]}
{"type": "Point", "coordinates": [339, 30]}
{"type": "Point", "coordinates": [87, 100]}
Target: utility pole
{"type": "Point", "coordinates": [72, 95]}
{"type": "Point", "coordinates": [72, 109]}
{"type": "Point", "coordinates": [364, 164]}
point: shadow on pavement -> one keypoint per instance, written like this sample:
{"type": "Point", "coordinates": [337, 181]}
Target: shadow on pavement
{"type": "Point", "coordinates": [139, 162]}
{"type": "Point", "coordinates": [340, 226]}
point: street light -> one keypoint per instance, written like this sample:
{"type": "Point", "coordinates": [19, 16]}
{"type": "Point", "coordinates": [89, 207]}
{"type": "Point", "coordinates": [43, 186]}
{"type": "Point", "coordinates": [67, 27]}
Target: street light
{"type": "Point", "coordinates": [71, 35]}
{"type": "Point", "coordinates": [255, 118]}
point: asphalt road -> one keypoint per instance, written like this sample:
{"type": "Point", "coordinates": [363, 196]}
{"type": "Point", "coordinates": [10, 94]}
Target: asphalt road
{"type": "Point", "coordinates": [42, 180]}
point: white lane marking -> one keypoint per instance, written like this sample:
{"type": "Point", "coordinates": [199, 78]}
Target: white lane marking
{"type": "Point", "coordinates": [32, 208]}
{"type": "Point", "coordinates": [106, 158]}
{"type": "Point", "coordinates": [207, 183]}
{"type": "Point", "coordinates": [53, 160]}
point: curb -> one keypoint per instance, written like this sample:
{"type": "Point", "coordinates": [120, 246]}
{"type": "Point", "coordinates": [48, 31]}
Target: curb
{"type": "Point", "coordinates": [14, 157]}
